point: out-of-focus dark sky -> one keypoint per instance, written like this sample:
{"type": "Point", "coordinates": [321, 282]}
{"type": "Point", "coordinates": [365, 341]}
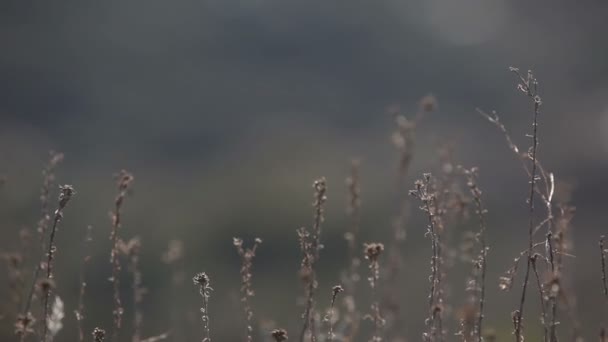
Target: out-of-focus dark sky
{"type": "Point", "coordinates": [226, 110]}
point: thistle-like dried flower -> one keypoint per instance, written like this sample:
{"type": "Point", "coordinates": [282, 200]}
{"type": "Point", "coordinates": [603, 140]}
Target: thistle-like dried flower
{"type": "Point", "coordinates": [337, 289]}
{"type": "Point", "coordinates": [201, 279]}
{"type": "Point", "coordinates": [279, 335]}
{"type": "Point", "coordinates": [65, 194]}
{"type": "Point", "coordinates": [99, 334]}
{"type": "Point", "coordinates": [373, 251]}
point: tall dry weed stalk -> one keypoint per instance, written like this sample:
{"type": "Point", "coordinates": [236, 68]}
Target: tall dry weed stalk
{"type": "Point", "coordinates": [372, 252]}
{"type": "Point", "coordinates": [478, 285]}
{"type": "Point", "coordinates": [132, 251]}
{"type": "Point", "coordinates": [404, 141]}
{"type": "Point", "coordinates": [203, 282]}
{"type": "Point", "coordinates": [124, 182]}
{"type": "Point", "coordinates": [329, 318]}
{"type": "Point", "coordinates": [541, 185]}
{"type": "Point", "coordinates": [529, 86]}
{"type": "Point", "coordinates": [247, 255]}
{"type": "Point", "coordinates": [425, 192]}
{"type": "Point", "coordinates": [310, 245]}
{"type": "Point", "coordinates": [25, 319]}
{"type": "Point", "coordinates": [65, 194]}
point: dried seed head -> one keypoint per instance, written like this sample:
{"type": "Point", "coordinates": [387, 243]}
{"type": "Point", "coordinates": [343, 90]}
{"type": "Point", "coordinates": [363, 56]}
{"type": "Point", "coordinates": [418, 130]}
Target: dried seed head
{"type": "Point", "coordinates": [99, 334]}
{"type": "Point", "coordinates": [337, 289]}
{"type": "Point", "coordinates": [65, 194]}
{"type": "Point", "coordinates": [201, 279]}
{"type": "Point", "coordinates": [373, 250]}
{"type": "Point", "coordinates": [279, 335]}
{"type": "Point", "coordinates": [124, 180]}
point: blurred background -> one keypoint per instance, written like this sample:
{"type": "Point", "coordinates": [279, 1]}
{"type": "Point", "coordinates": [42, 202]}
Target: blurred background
{"type": "Point", "coordinates": [226, 111]}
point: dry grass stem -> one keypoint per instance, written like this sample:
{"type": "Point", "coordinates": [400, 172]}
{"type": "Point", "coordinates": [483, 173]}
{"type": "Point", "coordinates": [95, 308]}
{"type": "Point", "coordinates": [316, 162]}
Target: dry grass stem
{"type": "Point", "coordinates": [247, 256]}
{"type": "Point", "coordinates": [480, 263]}
{"type": "Point", "coordinates": [330, 313]}
{"type": "Point", "coordinates": [372, 252]}
{"type": "Point", "coordinates": [124, 182]}
{"type": "Point", "coordinates": [425, 192]}
{"type": "Point", "coordinates": [310, 245]}
{"type": "Point", "coordinates": [66, 193]}
{"type": "Point", "coordinates": [203, 282]}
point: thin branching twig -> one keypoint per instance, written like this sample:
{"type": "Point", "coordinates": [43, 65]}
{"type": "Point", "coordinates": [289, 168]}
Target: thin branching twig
{"type": "Point", "coordinates": [310, 243]}
{"type": "Point", "coordinates": [426, 194]}
{"type": "Point", "coordinates": [330, 313]}
{"type": "Point", "coordinates": [124, 181]}
{"type": "Point", "coordinates": [25, 319]}
{"type": "Point", "coordinates": [247, 292]}
{"type": "Point", "coordinates": [372, 253]}
{"type": "Point", "coordinates": [481, 261]}
{"type": "Point", "coordinates": [203, 282]}
{"type": "Point", "coordinates": [66, 193]}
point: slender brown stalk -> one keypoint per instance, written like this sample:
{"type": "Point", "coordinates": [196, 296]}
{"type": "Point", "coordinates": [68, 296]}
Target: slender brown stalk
{"type": "Point", "coordinates": [124, 181]}
{"type": "Point", "coordinates": [372, 252]}
{"type": "Point", "coordinates": [83, 283]}
{"type": "Point", "coordinates": [306, 274]}
{"type": "Point", "coordinates": [247, 256]}
{"type": "Point", "coordinates": [404, 141]}
{"type": "Point", "coordinates": [203, 282]}
{"type": "Point", "coordinates": [132, 250]}
{"type": "Point", "coordinates": [66, 193]}
{"type": "Point", "coordinates": [481, 262]}
{"type": "Point", "coordinates": [311, 246]}
{"type": "Point", "coordinates": [25, 318]}
{"type": "Point", "coordinates": [425, 192]}
{"type": "Point", "coordinates": [330, 314]}
{"type": "Point", "coordinates": [529, 86]}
